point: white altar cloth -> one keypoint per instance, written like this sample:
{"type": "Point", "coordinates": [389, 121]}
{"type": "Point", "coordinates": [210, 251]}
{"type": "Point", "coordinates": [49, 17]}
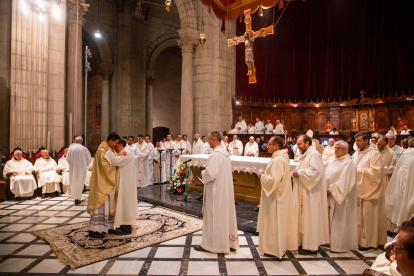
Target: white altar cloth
{"type": "Point", "coordinates": [238, 163]}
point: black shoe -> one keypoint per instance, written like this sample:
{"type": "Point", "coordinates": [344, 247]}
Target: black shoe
{"type": "Point", "coordinates": [306, 252]}
{"type": "Point", "coordinates": [199, 197]}
{"type": "Point", "coordinates": [360, 248]}
{"type": "Point", "coordinates": [199, 248]}
{"type": "Point", "coordinates": [57, 193]}
{"type": "Point", "coordinates": [273, 256]}
{"type": "Point", "coordinates": [117, 232]}
{"type": "Point", "coordinates": [43, 196]}
{"type": "Point", "coordinates": [96, 235]}
{"type": "Point", "coordinates": [77, 202]}
{"type": "Point", "coordinates": [232, 249]}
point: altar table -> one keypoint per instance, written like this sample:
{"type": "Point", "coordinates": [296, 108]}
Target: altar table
{"type": "Point", "coordinates": [245, 170]}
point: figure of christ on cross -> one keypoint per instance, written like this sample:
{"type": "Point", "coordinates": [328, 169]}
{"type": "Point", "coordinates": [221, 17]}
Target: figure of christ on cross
{"type": "Point", "coordinates": [248, 39]}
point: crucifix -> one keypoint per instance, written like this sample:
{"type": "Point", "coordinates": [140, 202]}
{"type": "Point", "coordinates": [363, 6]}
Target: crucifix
{"type": "Point", "coordinates": [248, 39]}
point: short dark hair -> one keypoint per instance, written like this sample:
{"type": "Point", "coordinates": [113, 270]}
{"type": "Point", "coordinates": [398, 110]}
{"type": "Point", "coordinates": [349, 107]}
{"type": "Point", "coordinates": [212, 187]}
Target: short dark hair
{"type": "Point", "coordinates": [202, 137]}
{"type": "Point", "coordinates": [147, 136]}
{"type": "Point", "coordinates": [306, 138]}
{"type": "Point", "coordinates": [124, 137]}
{"type": "Point", "coordinates": [131, 137]}
{"type": "Point", "coordinates": [277, 141]}
{"type": "Point", "coordinates": [179, 135]}
{"type": "Point", "coordinates": [170, 135]}
{"type": "Point", "coordinates": [365, 136]}
{"type": "Point", "coordinates": [382, 137]}
{"type": "Point", "coordinates": [185, 135]}
{"type": "Point", "coordinates": [140, 136]}
{"type": "Point", "coordinates": [122, 142]}
{"type": "Point", "coordinates": [113, 136]}
{"type": "Point", "coordinates": [334, 128]}
{"type": "Point", "coordinates": [408, 226]}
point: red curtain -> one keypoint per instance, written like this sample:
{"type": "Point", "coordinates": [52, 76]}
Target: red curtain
{"type": "Point", "coordinates": [331, 49]}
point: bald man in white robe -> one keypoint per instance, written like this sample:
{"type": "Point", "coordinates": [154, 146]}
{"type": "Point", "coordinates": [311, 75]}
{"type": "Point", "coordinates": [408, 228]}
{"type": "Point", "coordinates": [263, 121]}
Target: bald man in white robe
{"type": "Point", "coordinates": [198, 145]}
{"type": "Point", "coordinates": [251, 149]}
{"type": "Point", "coordinates": [241, 126]}
{"type": "Point", "coordinates": [63, 168]}
{"type": "Point", "coordinates": [47, 177]}
{"type": "Point", "coordinates": [235, 147]}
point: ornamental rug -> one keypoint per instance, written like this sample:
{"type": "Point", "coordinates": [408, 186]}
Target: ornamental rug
{"type": "Point", "coordinates": [73, 247]}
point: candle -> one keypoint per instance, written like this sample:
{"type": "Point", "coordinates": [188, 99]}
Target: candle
{"type": "Point", "coordinates": [181, 144]}
{"type": "Point", "coordinates": [160, 147]}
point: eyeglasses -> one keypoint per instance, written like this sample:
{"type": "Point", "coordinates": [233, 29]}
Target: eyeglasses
{"type": "Point", "coordinates": [394, 245]}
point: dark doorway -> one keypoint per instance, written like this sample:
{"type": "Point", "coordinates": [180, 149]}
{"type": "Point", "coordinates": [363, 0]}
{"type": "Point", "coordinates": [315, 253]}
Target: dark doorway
{"type": "Point", "coordinates": [159, 133]}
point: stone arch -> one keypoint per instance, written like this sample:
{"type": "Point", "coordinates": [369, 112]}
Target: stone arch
{"type": "Point", "coordinates": [156, 47]}
{"type": "Point", "coordinates": [162, 46]}
{"type": "Point", "coordinates": [187, 14]}
{"type": "Point", "coordinates": [90, 27]}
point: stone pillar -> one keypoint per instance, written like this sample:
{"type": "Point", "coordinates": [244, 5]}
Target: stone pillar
{"type": "Point", "coordinates": [106, 70]}
{"type": "Point", "coordinates": [74, 103]}
{"type": "Point", "coordinates": [148, 109]}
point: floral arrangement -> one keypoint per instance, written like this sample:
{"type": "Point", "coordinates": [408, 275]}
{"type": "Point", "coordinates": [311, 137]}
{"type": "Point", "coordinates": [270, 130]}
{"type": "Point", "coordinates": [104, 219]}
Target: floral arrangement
{"type": "Point", "coordinates": [257, 208]}
{"type": "Point", "coordinates": [177, 185]}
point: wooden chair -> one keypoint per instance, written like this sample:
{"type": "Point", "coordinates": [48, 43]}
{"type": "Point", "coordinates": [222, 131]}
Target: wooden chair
{"type": "Point", "coordinates": [59, 154]}
{"type": "Point", "coordinates": [25, 155]}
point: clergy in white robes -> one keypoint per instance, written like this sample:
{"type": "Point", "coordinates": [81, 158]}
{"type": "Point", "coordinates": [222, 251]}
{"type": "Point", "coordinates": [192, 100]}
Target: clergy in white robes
{"type": "Point", "coordinates": [310, 198]}
{"type": "Point", "coordinates": [334, 132]}
{"type": "Point", "coordinates": [235, 147]}
{"type": "Point", "coordinates": [276, 223]}
{"type": "Point", "coordinates": [268, 128]}
{"type": "Point", "coordinates": [143, 169]}
{"type": "Point", "coordinates": [392, 139]}
{"type": "Point", "coordinates": [159, 146]}
{"type": "Point", "coordinates": [125, 179]}
{"type": "Point", "coordinates": [372, 229]}
{"type": "Point", "coordinates": [251, 149]}
{"type": "Point", "coordinates": [278, 128]}
{"type": "Point", "coordinates": [225, 142]}
{"type": "Point", "coordinates": [187, 145]}
{"type": "Point", "coordinates": [180, 145]}
{"type": "Point", "coordinates": [342, 200]}
{"type": "Point", "coordinates": [19, 170]}
{"type": "Point", "coordinates": [405, 131]}
{"type": "Point", "coordinates": [250, 129]}
{"type": "Point", "coordinates": [219, 233]}
{"type": "Point", "coordinates": [47, 178]}
{"type": "Point", "coordinates": [258, 127]}
{"type": "Point", "coordinates": [198, 145]}
{"type": "Point", "coordinates": [63, 168]}
{"type": "Point", "coordinates": [169, 158]}
{"type": "Point", "coordinates": [329, 151]}
{"type": "Point", "coordinates": [88, 175]}
{"type": "Point", "coordinates": [399, 194]}
{"type": "Point", "coordinates": [241, 126]}
{"type": "Point", "coordinates": [150, 159]}
{"type": "Point", "coordinates": [133, 147]}
{"type": "Point", "coordinates": [206, 145]}
{"type": "Point", "coordinates": [79, 159]}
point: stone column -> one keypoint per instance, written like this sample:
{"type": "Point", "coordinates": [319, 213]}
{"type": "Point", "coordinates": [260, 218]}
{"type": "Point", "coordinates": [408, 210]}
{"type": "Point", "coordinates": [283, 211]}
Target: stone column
{"type": "Point", "coordinates": [148, 109]}
{"type": "Point", "coordinates": [106, 70]}
{"type": "Point", "coordinates": [74, 103]}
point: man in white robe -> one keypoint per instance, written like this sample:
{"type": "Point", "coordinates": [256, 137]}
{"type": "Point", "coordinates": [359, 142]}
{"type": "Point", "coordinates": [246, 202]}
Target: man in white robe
{"type": "Point", "coordinates": [372, 229]}
{"type": "Point", "coordinates": [329, 150]}
{"type": "Point", "coordinates": [219, 234]}
{"type": "Point", "coordinates": [405, 131]}
{"type": "Point", "coordinates": [241, 126]}
{"type": "Point", "coordinates": [19, 170]}
{"type": "Point", "coordinates": [127, 201]}
{"type": "Point", "coordinates": [180, 145]}
{"type": "Point", "coordinates": [78, 159]}
{"type": "Point", "coordinates": [258, 127]}
{"type": "Point", "coordinates": [169, 158]}
{"type": "Point", "coordinates": [187, 145]}
{"type": "Point", "coordinates": [250, 129]}
{"type": "Point", "coordinates": [334, 132]}
{"type": "Point", "coordinates": [251, 149]}
{"type": "Point", "coordinates": [225, 142]}
{"type": "Point", "coordinates": [392, 139]}
{"type": "Point", "coordinates": [279, 128]}
{"type": "Point", "coordinates": [63, 169]}
{"type": "Point", "coordinates": [198, 145]}
{"type": "Point", "coordinates": [342, 200]}
{"type": "Point", "coordinates": [159, 146]}
{"type": "Point", "coordinates": [150, 159]}
{"type": "Point", "coordinates": [276, 223]}
{"type": "Point", "coordinates": [134, 148]}
{"type": "Point", "coordinates": [142, 164]}
{"type": "Point", "coordinates": [206, 145]}
{"type": "Point", "coordinates": [399, 194]}
{"type": "Point", "coordinates": [310, 198]}
{"type": "Point", "coordinates": [268, 128]}
{"type": "Point", "coordinates": [47, 178]}
{"type": "Point", "coordinates": [235, 147]}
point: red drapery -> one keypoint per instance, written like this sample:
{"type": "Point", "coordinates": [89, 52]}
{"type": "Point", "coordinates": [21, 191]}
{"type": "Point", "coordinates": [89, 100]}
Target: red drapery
{"type": "Point", "coordinates": [331, 49]}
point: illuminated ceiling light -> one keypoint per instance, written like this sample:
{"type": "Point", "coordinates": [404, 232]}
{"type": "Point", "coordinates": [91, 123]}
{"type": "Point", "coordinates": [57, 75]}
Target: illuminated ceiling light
{"type": "Point", "coordinates": [296, 105]}
{"type": "Point", "coordinates": [317, 105]}
{"type": "Point", "coordinates": [237, 102]}
{"type": "Point", "coordinates": [98, 34]}
{"type": "Point", "coordinates": [41, 17]}
{"type": "Point", "coordinates": [168, 5]}
{"type": "Point", "coordinates": [203, 38]}
{"type": "Point", "coordinates": [275, 105]}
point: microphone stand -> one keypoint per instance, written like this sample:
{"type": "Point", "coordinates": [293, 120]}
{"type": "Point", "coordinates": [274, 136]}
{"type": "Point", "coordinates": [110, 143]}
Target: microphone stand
{"type": "Point", "coordinates": [160, 166]}
{"type": "Point", "coordinates": [171, 165]}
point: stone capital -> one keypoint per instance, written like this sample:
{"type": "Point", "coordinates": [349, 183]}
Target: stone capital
{"type": "Point", "coordinates": [77, 12]}
{"type": "Point", "coordinates": [106, 70]}
{"type": "Point", "coordinates": [187, 46]}
{"type": "Point", "coordinates": [150, 77]}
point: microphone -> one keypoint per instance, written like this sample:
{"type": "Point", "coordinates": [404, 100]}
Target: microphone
{"type": "Point", "coordinates": [187, 161]}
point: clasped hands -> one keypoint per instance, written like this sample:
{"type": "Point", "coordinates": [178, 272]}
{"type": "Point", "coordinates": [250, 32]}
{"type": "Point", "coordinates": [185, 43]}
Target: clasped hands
{"type": "Point", "coordinates": [15, 174]}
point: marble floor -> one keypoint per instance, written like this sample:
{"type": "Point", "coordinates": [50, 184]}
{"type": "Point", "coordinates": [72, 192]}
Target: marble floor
{"type": "Point", "coordinates": [21, 253]}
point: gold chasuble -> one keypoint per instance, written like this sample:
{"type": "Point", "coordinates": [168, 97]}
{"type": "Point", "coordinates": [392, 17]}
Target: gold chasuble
{"type": "Point", "coordinates": [102, 180]}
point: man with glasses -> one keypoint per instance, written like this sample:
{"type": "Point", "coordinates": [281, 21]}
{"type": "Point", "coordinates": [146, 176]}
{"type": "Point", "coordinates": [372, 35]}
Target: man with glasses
{"type": "Point", "coordinates": [392, 139]}
{"type": "Point", "coordinates": [403, 249]}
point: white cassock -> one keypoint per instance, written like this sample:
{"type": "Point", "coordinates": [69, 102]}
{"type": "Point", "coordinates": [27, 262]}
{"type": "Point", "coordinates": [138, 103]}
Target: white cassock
{"type": "Point", "coordinates": [334, 133]}
{"type": "Point", "coordinates": [151, 163]}
{"type": "Point", "coordinates": [250, 130]}
{"type": "Point", "coordinates": [170, 167]}
{"type": "Point", "coordinates": [88, 175]}
{"type": "Point", "coordinates": [268, 129]}
{"type": "Point", "coordinates": [180, 145]}
{"type": "Point", "coordinates": [340, 179]}
{"type": "Point", "coordinates": [78, 159]}
{"type": "Point", "coordinates": [198, 147]}
{"type": "Point", "coordinates": [64, 166]}
{"type": "Point", "coordinates": [135, 151]}
{"type": "Point", "coordinates": [232, 131]}
{"type": "Point", "coordinates": [243, 127]}
{"type": "Point", "coordinates": [311, 202]}
{"type": "Point", "coordinates": [372, 228]}
{"type": "Point", "coordinates": [398, 150]}
{"type": "Point", "coordinates": [125, 181]}
{"type": "Point", "coordinates": [259, 128]}
{"type": "Point", "coordinates": [142, 165]}
{"type": "Point", "coordinates": [399, 195]}
{"type": "Point", "coordinates": [157, 166]}
{"type": "Point", "coordinates": [238, 151]}
{"type": "Point", "coordinates": [405, 132]}
{"type": "Point", "coordinates": [278, 129]}
{"type": "Point", "coordinates": [48, 179]}
{"type": "Point", "coordinates": [21, 185]}
{"type": "Point", "coordinates": [251, 148]}
{"type": "Point", "coordinates": [328, 152]}
{"type": "Point", "coordinates": [276, 223]}
{"type": "Point", "coordinates": [207, 147]}
{"type": "Point", "coordinates": [187, 147]}
{"type": "Point", "coordinates": [219, 220]}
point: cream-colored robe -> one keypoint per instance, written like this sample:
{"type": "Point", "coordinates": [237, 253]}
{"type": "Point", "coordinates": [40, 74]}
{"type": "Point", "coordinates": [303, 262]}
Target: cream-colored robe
{"type": "Point", "coordinates": [88, 175]}
{"type": "Point", "coordinates": [78, 159]}
{"type": "Point", "coordinates": [278, 129]}
{"type": "Point", "coordinates": [143, 169]}
{"type": "Point", "coordinates": [180, 145]}
{"type": "Point", "coordinates": [340, 179]}
{"type": "Point", "coordinates": [251, 148]}
{"type": "Point", "coordinates": [259, 128]}
{"type": "Point", "coordinates": [268, 128]}
{"type": "Point", "coordinates": [328, 152]}
{"type": "Point", "coordinates": [198, 147]}
{"type": "Point", "coordinates": [243, 127]}
{"type": "Point", "coordinates": [311, 201]}
{"type": "Point", "coordinates": [238, 151]}
{"type": "Point", "coordinates": [207, 147]}
{"type": "Point", "coordinates": [187, 147]}
{"type": "Point", "coordinates": [48, 179]}
{"type": "Point", "coordinates": [219, 221]}
{"type": "Point", "coordinates": [64, 166]}
{"type": "Point", "coordinates": [157, 166]}
{"type": "Point", "coordinates": [276, 223]}
{"type": "Point", "coordinates": [250, 130]}
{"type": "Point", "coordinates": [21, 185]}
{"type": "Point", "coordinates": [389, 159]}
{"type": "Point", "coordinates": [151, 163]}
{"type": "Point", "coordinates": [170, 157]}
{"type": "Point", "coordinates": [398, 150]}
{"type": "Point", "coordinates": [372, 228]}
